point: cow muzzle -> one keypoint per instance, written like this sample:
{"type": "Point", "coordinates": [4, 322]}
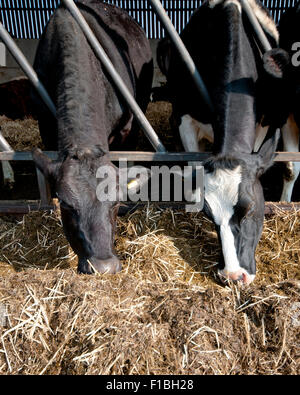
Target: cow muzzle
{"type": "Point", "coordinates": [94, 265]}
{"type": "Point", "coordinates": [241, 276]}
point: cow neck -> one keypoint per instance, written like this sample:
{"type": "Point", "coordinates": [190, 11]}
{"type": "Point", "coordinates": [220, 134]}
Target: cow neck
{"type": "Point", "coordinates": [81, 101]}
{"type": "Point", "coordinates": [235, 99]}
{"type": "Point", "coordinates": [81, 141]}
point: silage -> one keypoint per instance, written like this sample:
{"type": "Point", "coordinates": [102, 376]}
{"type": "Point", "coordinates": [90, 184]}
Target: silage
{"type": "Point", "coordinates": [165, 313]}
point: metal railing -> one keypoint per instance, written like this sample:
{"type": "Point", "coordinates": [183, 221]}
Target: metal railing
{"type": "Point", "coordinates": [27, 18]}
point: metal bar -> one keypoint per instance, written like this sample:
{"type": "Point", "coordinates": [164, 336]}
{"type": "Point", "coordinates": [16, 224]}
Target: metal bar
{"type": "Point", "coordinates": [99, 51]}
{"type": "Point", "coordinates": [183, 52]}
{"type": "Point", "coordinates": [44, 187]}
{"type": "Point", "coordinates": [8, 173]}
{"type": "Point", "coordinates": [26, 67]}
{"type": "Point", "coordinates": [4, 146]}
{"type": "Point", "coordinates": [256, 26]}
{"type": "Point", "coordinates": [23, 207]}
{"type": "Point", "coordinates": [20, 207]}
{"type": "Point", "coordinates": [147, 156]}
{"type": "Point", "coordinates": [33, 78]}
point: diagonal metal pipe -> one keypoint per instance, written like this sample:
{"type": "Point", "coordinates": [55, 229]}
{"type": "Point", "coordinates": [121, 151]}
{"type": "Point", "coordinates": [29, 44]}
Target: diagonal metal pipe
{"type": "Point", "coordinates": [27, 68]}
{"type": "Point", "coordinates": [120, 85]}
{"type": "Point", "coordinates": [8, 174]}
{"type": "Point", "coordinates": [33, 78]}
{"type": "Point", "coordinates": [262, 38]}
{"type": "Point", "coordinates": [29, 72]}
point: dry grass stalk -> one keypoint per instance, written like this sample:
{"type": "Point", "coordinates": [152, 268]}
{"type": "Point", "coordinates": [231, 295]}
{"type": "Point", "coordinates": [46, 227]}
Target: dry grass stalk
{"type": "Point", "coordinates": [165, 313]}
{"type": "Point", "coordinates": [22, 134]}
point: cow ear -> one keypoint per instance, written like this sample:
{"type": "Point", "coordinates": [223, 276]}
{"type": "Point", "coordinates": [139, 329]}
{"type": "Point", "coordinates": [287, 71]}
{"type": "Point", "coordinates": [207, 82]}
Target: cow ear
{"type": "Point", "coordinates": [275, 62]}
{"type": "Point", "coordinates": [163, 55]}
{"type": "Point", "coordinates": [265, 156]}
{"type": "Point", "coordinates": [48, 167]}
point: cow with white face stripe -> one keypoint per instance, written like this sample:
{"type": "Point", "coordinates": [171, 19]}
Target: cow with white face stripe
{"type": "Point", "coordinates": [220, 40]}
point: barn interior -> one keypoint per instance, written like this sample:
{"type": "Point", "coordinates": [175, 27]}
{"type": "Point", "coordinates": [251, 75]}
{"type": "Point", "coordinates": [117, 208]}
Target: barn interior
{"type": "Point", "coordinates": [166, 312]}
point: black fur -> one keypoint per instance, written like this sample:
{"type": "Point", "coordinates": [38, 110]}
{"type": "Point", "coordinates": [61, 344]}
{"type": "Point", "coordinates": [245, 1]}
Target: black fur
{"type": "Point", "coordinates": [90, 113]}
{"type": "Point", "coordinates": [243, 90]}
{"type": "Point", "coordinates": [290, 34]}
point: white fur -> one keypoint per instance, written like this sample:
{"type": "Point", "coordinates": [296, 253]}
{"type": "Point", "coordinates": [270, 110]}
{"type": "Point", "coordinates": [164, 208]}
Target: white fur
{"type": "Point", "coordinates": [193, 135]}
{"type": "Point", "coordinates": [221, 193]}
{"type": "Point", "coordinates": [188, 134]}
{"type": "Point", "coordinates": [192, 132]}
{"type": "Point", "coordinates": [290, 136]}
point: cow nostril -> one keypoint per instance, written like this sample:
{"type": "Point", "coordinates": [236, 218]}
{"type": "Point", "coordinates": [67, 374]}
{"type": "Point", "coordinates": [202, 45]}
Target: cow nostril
{"type": "Point", "coordinates": [242, 277]}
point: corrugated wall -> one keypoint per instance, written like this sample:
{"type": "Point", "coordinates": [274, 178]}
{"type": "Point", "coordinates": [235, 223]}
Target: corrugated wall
{"type": "Point", "coordinates": [27, 18]}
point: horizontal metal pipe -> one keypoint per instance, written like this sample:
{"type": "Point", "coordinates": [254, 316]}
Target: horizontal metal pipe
{"type": "Point", "coordinates": [138, 156]}
{"type": "Point", "coordinates": [183, 52]}
{"type": "Point", "coordinates": [26, 67]}
{"type": "Point", "coordinates": [27, 206]}
{"type": "Point", "coordinates": [256, 26]}
{"type": "Point", "coordinates": [120, 85]}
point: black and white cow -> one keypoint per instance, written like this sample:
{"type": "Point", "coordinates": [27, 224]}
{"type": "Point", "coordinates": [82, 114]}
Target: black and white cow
{"type": "Point", "coordinates": [90, 115]}
{"type": "Point", "coordinates": [289, 29]}
{"type": "Point", "coordinates": [220, 40]}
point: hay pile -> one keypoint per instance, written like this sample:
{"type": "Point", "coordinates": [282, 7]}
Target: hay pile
{"type": "Point", "coordinates": [165, 313]}
{"type": "Point", "coordinates": [21, 134]}
{"type": "Point", "coordinates": [159, 115]}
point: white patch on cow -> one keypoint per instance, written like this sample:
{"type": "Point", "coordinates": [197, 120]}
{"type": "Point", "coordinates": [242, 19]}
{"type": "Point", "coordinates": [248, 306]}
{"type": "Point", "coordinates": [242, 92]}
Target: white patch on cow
{"type": "Point", "coordinates": [260, 135]}
{"type": "Point", "coordinates": [193, 135]}
{"type": "Point", "coordinates": [290, 137]}
{"type": "Point", "coordinates": [221, 193]}
{"type": "Point", "coordinates": [188, 134]}
{"type": "Point", "coordinates": [193, 132]}
{"type": "Point", "coordinates": [229, 252]}
{"type": "Point", "coordinates": [204, 132]}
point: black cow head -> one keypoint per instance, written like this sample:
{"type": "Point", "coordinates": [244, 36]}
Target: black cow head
{"type": "Point", "coordinates": [88, 222]}
{"type": "Point", "coordinates": [234, 200]}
